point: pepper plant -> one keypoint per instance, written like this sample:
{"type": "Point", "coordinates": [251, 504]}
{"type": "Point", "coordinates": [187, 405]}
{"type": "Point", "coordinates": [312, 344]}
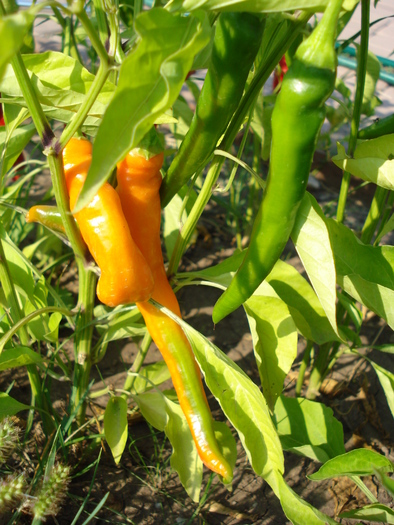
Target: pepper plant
{"type": "Point", "coordinates": [98, 108]}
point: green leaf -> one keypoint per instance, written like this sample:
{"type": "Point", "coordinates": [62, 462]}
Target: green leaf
{"type": "Point", "coordinates": [20, 356]}
{"type": "Point", "coordinates": [150, 80]}
{"type": "Point", "coordinates": [153, 407]}
{"type": "Point", "coordinates": [258, 6]}
{"type": "Point", "coordinates": [226, 442]}
{"type": "Point", "coordinates": [241, 401]}
{"type": "Point", "coordinates": [15, 144]}
{"type": "Point", "coordinates": [365, 272]}
{"type": "Point", "coordinates": [359, 462]}
{"type": "Point", "coordinates": [375, 512]}
{"type": "Point", "coordinates": [386, 481]}
{"type": "Point", "coordinates": [175, 215]}
{"type": "Point", "coordinates": [61, 84]}
{"type": "Point", "coordinates": [312, 242]}
{"type": "Point", "coordinates": [167, 416]}
{"type": "Point", "coordinates": [121, 325]}
{"type": "Point", "coordinates": [184, 459]}
{"type": "Point", "coordinates": [371, 79]}
{"type": "Point", "coordinates": [10, 406]}
{"type": "Point", "coordinates": [308, 428]}
{"type": "Point", "coordinates": [115, 426]}
{"type": "Point", "coordinates": [287, 284]}
{"type": "Point", "coordinates": [388, 227]}
{"type": "Point", "coordinates": [156, 373]}
{"type": "Point", "coordinates": [386, 379]}
{"type": "Point", "coordinates": [274, 341]}
{"type": "Point", "coordinates": [299, 511]}
{"type": "Point", "coordinates": [372, 161]}
{"type": "Point", "coordinates": [13, 29]}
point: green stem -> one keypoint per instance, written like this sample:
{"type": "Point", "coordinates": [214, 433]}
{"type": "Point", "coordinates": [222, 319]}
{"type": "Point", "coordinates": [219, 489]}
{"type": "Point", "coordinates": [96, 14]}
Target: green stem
{"type": "Point", "coordinates": [93, 36]}
{"type": "Point", "coordinates": [16, 315]}
{"type": "Point", "coordinates": [374, 214]}
{"type": "Point", "coordinates": [361, 485]}
{"type": "Point", "coordinates": [318, 371]}
{"type": "Point", "coordinates": [62, 201]}
{"type": "Point", "coordinates": [361, 74]}
{"type": "Point", "coordinates": [79, 118]}
{"type": "Point", "coordinates": [83, 340]}
{"type": "Point", "coordinates": [304, 365]}
{"type": "Point", "coordinates": [248, 99]}
{"type": "Point", "coordinates": [101, 20]}
{"type": "Point", "coordinates": [138, 362]}
{"type": "Point", "coordinates": [385, 216]}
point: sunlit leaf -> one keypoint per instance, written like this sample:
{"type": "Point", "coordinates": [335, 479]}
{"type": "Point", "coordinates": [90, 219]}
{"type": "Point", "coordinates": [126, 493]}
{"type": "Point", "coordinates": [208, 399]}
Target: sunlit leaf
{"type": "Point", "coordinates": [150, 80]}
{"type": "Point", "coordinates": [358, 462]}
{"type": "Point", "coordinates": [115, 426]}
{"type": "Point", "coordinates": [10, 406]}
{"type": "Point", "coordinates": [308, 428]}
{"type": "Point", "coordinates": [19, 356]}
{"type": "Point", "coordinates": [376, 512]}
{"type": "Point", "coordinates": [13, 28]}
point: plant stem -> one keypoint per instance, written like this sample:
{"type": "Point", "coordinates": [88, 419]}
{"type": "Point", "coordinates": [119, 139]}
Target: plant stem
{"type": "Point", "coordinates": [16, 315]}
{"type": "Point", "coordinates": [361, 73]}
{"type": "Point", "coordinates": [361, 485]}
{"type": "Point", "coordinates": [374, 214]}
{"type": "Point", "coordinates": [304, 365]}
{"type": "Point", "coordinates": [385, 216]}
{"type": "Point", "coordinates": [247, 100]}
{"type": "Point", "coordinates": [62, 201]}
{"type": "Point", "coordinates": [138, 362]}
{"type": "Point", "coordinates": [318, 371]}
{"type": "Point", "coordinates": [83, 340]}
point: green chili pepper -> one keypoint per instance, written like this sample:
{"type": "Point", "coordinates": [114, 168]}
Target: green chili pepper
{"type": "Point", "coordinates": [381, 127]}
{"type": "Point", "coordinates": [296, 122]}
{"type": "Point", "coordinates": [48, 216]}
{"type": "Point", "coordinates": [237, 40]}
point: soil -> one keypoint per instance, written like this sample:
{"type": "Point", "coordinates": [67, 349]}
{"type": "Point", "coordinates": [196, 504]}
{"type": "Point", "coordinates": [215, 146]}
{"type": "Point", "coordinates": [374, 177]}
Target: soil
{"type": "Point", "coordinates": [144, 490]}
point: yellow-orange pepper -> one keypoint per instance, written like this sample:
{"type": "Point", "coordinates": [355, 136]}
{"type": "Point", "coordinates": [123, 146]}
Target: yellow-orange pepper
{"type": "Point", "coordinates": [139, 181]}
{"type": "Point", "coordinates": [125, 275]}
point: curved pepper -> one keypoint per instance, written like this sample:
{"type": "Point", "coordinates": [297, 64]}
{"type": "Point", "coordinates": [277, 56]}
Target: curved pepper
{"type": "Point", "coordinates": [139, 181]}
{"type": "Point", "coordinates": [125, 275]}
{"type": "Point", "coordinates": [48, 216]}
{"type": "Point", "coordinates": [297, 118]}
{"type": "Point", "coordinates": [237, 40]}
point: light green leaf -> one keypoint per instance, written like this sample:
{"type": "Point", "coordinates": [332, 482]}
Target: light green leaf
{"type": "Point", "coordinates": [358, 462]}
{"type": "Point", "coordinates": [386, 379]}
{"type": "Point", "coordinates": [60, 81]}
{"type": "Point", "coordinates": [241, 401]}
{"type": "Point", "coordinates": [297, 510]}
{"type": "Point", "coordinates": [121, 325]}
{"type": "Point", "coordinates": [115, 426]}
{"type": "Point", "coordinates": [371, 79]}
{"type": "Point", "coordinates": [153, 407]}
{"type": "Point", "coordinates": [258, 6]}
{"type": "Point", "coordinates": [312, 242]}
{"type": "Point", "coordinates": [167, 416]}
{"type": "Point", "coordinates": [365, 272]}
{"type": "Point", "coordinates": [375, 512]}
{"type": "Point", "coordinates": [226, 442]}
{"type": "Point", "coordinates": [10, 406]}
{"type": "Point", "coordinates": [156, 373]}
{"type": "Point", "coordinates": [15, 144]}
{"type": "Point", "coordinates": [13, 29]}
{"type": "Point", "coordinates": [308, 428]}
{"type": "Point", "coordinates": [388, 227]}
{"type": "Point", "coordinates": [386, 481]}
{"type": "Point", "coordinates": [150, 80]}
{"type": "Point", "coordinates": [287, 284]}
{"type": "Point", "coordinates": [20, 356]}
{"type": "Point", "coordinates": [184, 458]}
{"type": "Point", "coordinates": [175, 216]}
{"type": "Point", "coordinates": [274, 341]}
{"type": "Point", "coordinates": [303, 303]}
{"type": "Point", "coordinates": [372, 161]}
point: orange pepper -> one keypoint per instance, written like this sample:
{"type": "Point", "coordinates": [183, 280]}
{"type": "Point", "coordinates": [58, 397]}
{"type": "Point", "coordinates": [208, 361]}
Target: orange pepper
{"type": "Point", "coordinates": [139, 181]}
{"type": "Point", "coordinates": [125, 275]}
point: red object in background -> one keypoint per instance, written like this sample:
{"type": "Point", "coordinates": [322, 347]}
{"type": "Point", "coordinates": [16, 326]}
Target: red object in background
{"type": "Point", "coordinates": [21, 157]}
{"type": "Point", "coordinates": [280, 72]}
